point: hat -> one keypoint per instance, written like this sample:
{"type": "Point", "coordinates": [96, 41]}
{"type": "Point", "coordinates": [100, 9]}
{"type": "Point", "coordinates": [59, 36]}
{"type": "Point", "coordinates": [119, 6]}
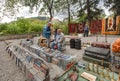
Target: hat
{"type": "Point", "coordinates": [49, 24]}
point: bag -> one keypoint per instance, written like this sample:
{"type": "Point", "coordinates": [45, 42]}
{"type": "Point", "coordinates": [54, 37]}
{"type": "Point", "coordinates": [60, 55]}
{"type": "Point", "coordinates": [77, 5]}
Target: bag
{"type": "Point", "coordinates": [116, 45]}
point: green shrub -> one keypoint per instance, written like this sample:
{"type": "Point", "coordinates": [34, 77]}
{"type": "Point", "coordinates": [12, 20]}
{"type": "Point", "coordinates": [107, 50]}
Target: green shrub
{"type": "Point", "coordinates": [24, 26]}
{"type": "Point", "coordinates": [11, 29]}
{"type": "Point", "coordinates": [63, 26]}
{"type": "Point", "coordinates": [34, 28]}
{"type": "Point", "coordinates": [65, 29]}
{"type": "Point", "coordinates": [3, 27]}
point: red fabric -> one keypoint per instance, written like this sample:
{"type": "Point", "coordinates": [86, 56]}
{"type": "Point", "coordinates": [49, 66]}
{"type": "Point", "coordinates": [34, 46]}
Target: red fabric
{"type": "Point", "coordinates": [96, 26]}
{"type": "Point", "coordinates": [72, 28]}
{"type": "Point", "coordinates": [80, 27]}
{"type": "Point", "coordinates": [55, 47]}
{"type": "Point", "coordinates": [73, 76]}
{"type": "Point", "coordinates": [76, 27]}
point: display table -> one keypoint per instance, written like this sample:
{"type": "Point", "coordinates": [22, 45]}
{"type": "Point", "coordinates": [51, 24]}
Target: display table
{"type": "Point", "coordinates": [102, 74]}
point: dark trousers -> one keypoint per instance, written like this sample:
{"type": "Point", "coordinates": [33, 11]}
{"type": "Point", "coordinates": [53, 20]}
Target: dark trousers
{"type": "Point", "coordinates": [86, 33]}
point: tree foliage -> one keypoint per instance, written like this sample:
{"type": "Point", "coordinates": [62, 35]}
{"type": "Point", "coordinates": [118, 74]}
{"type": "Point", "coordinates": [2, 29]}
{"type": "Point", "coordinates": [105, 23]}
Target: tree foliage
{"type": "Point", "coordinates": [114, 6]}
{"type": "Point", "coordinates": [90, 10]}
{"type": "Point", "coordinates": [47, 5]}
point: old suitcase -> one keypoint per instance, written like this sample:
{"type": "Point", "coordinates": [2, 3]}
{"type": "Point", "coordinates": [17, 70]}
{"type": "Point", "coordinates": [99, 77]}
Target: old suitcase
{"type": "Point", "coordinates": [72, 43]}
{"type": "Point", "coordinates": [55, 61]}
{"type": "Point", "coordinates": [31, 74]}
{"type": "Point", "coordinates": [101, 44]}
{"type": "Point", "coordinates": [95, 52]}
{"type": "Point", "coordinates": [66, 62]}
{"type": "Point", "coordinates": [39, 76]}
{"type": "Point", "coordinates": [49, 58]}
{"type": "Point", "coordinates": [77, 43]}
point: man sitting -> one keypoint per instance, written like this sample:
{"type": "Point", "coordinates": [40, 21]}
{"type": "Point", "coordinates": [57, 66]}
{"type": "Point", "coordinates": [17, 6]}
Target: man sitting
{"type": "Point", "coordinates": [59, 41]}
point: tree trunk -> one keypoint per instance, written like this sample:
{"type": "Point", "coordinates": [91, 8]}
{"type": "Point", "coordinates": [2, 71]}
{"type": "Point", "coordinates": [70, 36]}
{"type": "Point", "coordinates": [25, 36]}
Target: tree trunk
{"type": "Point", "coordinates": [51, 16]}
{"type": "Point", "coordinates": [68, 14]}
{"type": "Point", "coordinates": [88, 10]}
{"type": "Point", "coordinates": [68, 11]}
{"type": "Point", "coordinates": [50, 10]}
{"type": "Point", "coordinates": [49, 5]}
{"type": "Point", "coordinates": [88, 13]}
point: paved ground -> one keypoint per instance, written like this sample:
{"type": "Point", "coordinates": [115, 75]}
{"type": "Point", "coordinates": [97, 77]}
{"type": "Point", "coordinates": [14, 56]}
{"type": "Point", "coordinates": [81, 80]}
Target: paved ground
{"type": "Point", "coordinates": [10, 72]}
{"type": "Point", "coordinates": [79, 53]}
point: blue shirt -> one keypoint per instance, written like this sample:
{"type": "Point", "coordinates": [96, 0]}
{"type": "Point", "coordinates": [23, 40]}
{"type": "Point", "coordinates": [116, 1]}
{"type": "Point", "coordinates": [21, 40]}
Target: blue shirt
{"type": "Point", "coordinates": [86, 28]}
{"type": "Point", "coordinates": [46, 32]}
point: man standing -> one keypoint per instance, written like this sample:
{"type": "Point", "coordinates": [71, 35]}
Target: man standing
{"type": "Point", "coordinates": [86, 31]}
{"type": "Point", "coordinates": [47, 33]}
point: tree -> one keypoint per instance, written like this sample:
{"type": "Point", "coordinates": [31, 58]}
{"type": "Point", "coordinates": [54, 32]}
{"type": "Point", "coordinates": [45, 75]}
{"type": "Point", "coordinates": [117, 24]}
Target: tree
{"type": "Point", "coordinates": [63, 6]}
{"type": "Point", "coordinates": [47, 5]}
{"type": "Point", "coordinates": [68, 4]}
{"type": "Point", "coordinates": [90, 7]}
{"type": "Point", "coordinates": [114, 6]}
